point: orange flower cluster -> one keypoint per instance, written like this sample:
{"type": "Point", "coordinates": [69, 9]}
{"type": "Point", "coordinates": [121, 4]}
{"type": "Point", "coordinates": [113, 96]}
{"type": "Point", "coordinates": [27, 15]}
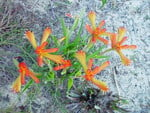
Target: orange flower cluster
{"type": "Point", "coordinates": [117, 39]}
{"type": "Point", "coordinates": [41, 54]}
{"type": "Point", "coordinates": [97, 33]}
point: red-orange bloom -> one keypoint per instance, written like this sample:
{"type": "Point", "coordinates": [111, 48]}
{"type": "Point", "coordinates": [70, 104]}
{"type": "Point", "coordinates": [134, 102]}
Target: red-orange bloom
{"type": "Point", "coordinates": [91, 72]}
{"type": "Point", "coordinates": [98, 31]}
{"type": "Point", "coordinates": [44, 53]}
{"type": "Point", "coordinates": [24, 71]}
{"type": "Point", "coordinates": [116, 43]}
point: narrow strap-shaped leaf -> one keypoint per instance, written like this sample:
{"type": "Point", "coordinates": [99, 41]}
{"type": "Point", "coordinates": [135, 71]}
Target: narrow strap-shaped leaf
{"type": "Point", "coordinates": [27, 86]}
{"type": "Point", "coordinates": [70, 83]}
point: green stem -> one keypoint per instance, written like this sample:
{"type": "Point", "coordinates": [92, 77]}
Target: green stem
{"type": "Point", "coordinates": [88, 46]}
{"type": "Point", "coordinates": [106, 51]}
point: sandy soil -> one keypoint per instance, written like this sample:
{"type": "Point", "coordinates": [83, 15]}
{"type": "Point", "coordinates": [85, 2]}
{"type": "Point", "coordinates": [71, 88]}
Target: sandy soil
{"type": "Point", "coordinates": [132, 82]}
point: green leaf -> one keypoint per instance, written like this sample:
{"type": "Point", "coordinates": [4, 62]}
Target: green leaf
{"type": "Point", "coordinates": [124, 101]}
{"type": "Point", "coordinates": [50, 76]}
{"type": "Point", "coordinates": [70, 83]}
{"type": "Point", "coordinates": [64, 28]}
{"type": "Point", "coordinates": [99, 50]}
{"type": "Point", "coordinates": [103, 3]}
{"type": "Point", "coordinates": [79, 73]}
{"type": "Point", "coordinates": [97, 56]}
{"type": "Point", "coordinates": [27, 86]}
{"type": "Point", "coordinates": [16, 63]}
{"type": "Point", "coordinates": [55, 40]}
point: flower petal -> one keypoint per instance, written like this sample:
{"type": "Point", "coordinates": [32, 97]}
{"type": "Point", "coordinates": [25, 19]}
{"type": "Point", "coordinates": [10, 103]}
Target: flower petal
{"type": "Point", "coordinates": [22, 70]}
{"type": "Point", "coordinates": [32, 75]}
{"type": "Point", "coordinates": [89, 75]}
{"type": "Point", "coordinates": [121, 33]}
{"type": "Point", "coordinates": [90, 63]}
{"type": "Point", "coordinates": [89, 29]}
{"type": "Point", "coordinates": [101, 24]}
{"type": "Point", "coordinates": [103, 40]}
{"type": "Point", "coordinates": [122, 41]}
{"type": "Point", "coordinates": [23, 77]}
{"type": "Point", "coordinates": [40, 60]}
{"type": "Point", "coordinates": [52, 50]}
{"type": "Point", "coordinates": [124, 59]}
{"type": "Point", "coordinates": [30, 36]}
{"type": "Point", "coordinates": [100, 68]}
{"type": "Point", "coordinates": [81, 56]}
{"type": "Point", "coordinates": [67, 63]}
{"type": "Point", "coordinates": [40, 48]}
{"type": "Point", "coordinates": [100, 84]}
{"type": "Point", "coordinates": [55, 58]}
{"type": "Point", "coordinates": [16, 86]}
{"type": "Point", "coordinates": [93, 39]}
{"type": "Point", "coordinates": [128, 47]}
{"type": "Point", "coordinates": [46, 34]}
{"type": "Point", "coordinates": [113, 38]}
{"type": "Point", "coordinates": [92, 17]}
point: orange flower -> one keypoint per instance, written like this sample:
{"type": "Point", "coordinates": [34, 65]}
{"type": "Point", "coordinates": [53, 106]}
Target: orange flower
{"type": "Point", "coordinates": [98, 31]}
{"type": "Point", "coordinates": [24, 71]}
{"type": "Point", "coordinates": [44, 53]}
{"type": "Point", "coordinates": [89, 72]}
{"type": "Point", "coordinates": [116, 43]}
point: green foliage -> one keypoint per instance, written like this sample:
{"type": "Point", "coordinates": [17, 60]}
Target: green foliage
{"type": "Point", "coordinates": [103, 2]}
{"type": "Point", "coordinates": [70, 83]}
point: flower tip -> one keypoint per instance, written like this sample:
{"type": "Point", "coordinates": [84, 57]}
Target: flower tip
{"type": "Point", "coordinates": [105, 89]}
{"type": "Point", "coordinates": [122, 30]}
{"type": "Point", "coordinates": [80, 52]}
{"type": "Point", "coordinates": [135, 46]}
{"type": "Point", "coordinates": [126, 62]}
{"type": "Point", "coordinates": [15, 90]}
{"type": "Point", "coordinates": [69, 15]}
{"type": "Point", "coordinates": [92, 17]}
{"type": "Point", "coordinates": [91, 13]}
{"type": "Point", "coordinates": [103, 21]}
{"type": "Point", "coordinates": [48, 29]}
{"type": "Point", "coordinates": [37, 81]}
{"type": "Point", "coordinates": [28, 32]}
{"type": "Point", "coordinates": [23, 83]}
{"type": "Point", "coordinates": [46, 33]}
{"type": "Point", "coordinates": [108, 62]}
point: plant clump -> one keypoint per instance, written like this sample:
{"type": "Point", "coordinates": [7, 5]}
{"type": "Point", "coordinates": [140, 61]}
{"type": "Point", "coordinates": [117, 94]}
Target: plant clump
{"type": "Point", "coordinates": [90, 99]}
